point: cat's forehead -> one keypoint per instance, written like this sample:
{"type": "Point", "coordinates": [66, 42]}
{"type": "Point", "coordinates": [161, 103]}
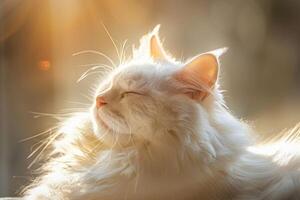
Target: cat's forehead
{"type": "Point", "coordinates": [130, 76]}
{"type": "Point", "coordinates": [137, 75]}
{"type": "Point", "coordinates": [142, 72]}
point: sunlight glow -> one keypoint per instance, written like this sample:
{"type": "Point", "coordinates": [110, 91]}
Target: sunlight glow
{"type": "Point", "coordinates": [281, 152]}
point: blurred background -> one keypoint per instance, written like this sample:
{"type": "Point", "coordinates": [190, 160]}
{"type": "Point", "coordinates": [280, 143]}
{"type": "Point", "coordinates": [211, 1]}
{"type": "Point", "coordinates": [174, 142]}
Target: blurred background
{"type": "Point", "coordinates": [260, 72]}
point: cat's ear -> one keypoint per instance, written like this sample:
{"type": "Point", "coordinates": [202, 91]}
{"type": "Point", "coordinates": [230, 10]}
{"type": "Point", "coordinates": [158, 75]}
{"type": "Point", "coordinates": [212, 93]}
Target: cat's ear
{"type": "Point", "coordinates": [150, 47]}
{"type": "Point", "coordinates": [156, 50]}
{"type": "Point", "coordinates": [202, 70]}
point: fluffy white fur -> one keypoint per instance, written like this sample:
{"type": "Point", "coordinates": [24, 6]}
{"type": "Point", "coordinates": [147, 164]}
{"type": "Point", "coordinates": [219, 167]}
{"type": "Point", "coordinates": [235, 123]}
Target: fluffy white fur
{"type": "Point", "coordinates": [154, 140]}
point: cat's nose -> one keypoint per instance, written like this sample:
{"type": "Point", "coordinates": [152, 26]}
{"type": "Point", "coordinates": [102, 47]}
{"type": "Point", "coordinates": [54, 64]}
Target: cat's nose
{"type": "Point", "coordinates": [100, 101]}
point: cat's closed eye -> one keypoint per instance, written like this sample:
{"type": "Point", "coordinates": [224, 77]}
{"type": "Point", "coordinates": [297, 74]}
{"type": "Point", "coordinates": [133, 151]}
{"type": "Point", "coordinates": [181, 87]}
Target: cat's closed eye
{"type": "Point", "coordinates": [124, 94]}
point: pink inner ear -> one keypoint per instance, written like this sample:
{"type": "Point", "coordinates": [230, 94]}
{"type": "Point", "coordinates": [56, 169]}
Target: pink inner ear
{"type": "Point", "coordinates": [200, 75]}
{"type": "Point", "coordinates": [201, 70]}
{"type": "Point", "coordinates": [204, 68]}
{"type": "Point", "coordinates": [156, 49]}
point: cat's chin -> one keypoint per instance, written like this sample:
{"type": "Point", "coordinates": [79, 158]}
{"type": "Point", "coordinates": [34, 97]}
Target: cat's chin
{"type": "Point", "coordinates": [109, 136]}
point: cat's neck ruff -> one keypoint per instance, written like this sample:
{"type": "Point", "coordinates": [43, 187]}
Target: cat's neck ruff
{"type": "Point", "coordinates": [171, 160]}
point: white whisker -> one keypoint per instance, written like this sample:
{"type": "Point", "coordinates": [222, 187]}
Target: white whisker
{"type": "Point", "coordinates": [90, 98]}
{"type": "Point", "coordinates": [79, 103]}
{"type": "Point", "coordinates": [106, 68]}
{"type": "Point", "coordinates": [39, 134]}
{"type": "Point", "coordinates": [113, 42]}
{"type": "Point", "coordinates": [46, 145]}
{"type": "Point", "coordinates": [123, 51]}
{"type": "Point", "coordinates": [95, 52]}
{"type": "Point", "coordinates": [91, 73]}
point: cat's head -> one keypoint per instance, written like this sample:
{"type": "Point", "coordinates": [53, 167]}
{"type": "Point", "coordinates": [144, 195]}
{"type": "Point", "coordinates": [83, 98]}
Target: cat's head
{"type": "Point", "coordinates": [152, 97]}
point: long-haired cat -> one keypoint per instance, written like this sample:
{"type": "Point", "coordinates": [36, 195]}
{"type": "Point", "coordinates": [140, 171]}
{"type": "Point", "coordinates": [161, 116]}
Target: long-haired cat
{"type": "Point", "coordinates": [159, 129]}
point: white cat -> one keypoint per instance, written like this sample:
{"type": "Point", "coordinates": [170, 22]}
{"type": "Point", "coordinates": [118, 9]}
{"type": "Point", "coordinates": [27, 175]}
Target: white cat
{"type": "Point", "coordinates": [158, 129]}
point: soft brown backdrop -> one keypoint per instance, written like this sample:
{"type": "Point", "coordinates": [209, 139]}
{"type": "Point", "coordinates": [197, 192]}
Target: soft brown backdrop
{"type": "Point", "coordinates": [260, 73]}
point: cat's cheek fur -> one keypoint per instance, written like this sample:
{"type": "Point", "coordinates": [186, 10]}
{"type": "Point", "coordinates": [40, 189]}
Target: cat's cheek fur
{"type": "Point", "coordinates": [140, 114]}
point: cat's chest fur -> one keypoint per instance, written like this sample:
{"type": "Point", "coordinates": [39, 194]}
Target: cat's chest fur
{"type": "Point", "coordinates": [161, 175]}
{"type": "Point", "coordinates": [131, 176]}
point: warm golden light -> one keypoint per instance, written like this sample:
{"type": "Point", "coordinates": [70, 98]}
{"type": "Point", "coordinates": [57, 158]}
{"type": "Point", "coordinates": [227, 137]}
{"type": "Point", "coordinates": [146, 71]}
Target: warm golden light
{"type": "Point", "coordinates": [52, 52]}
